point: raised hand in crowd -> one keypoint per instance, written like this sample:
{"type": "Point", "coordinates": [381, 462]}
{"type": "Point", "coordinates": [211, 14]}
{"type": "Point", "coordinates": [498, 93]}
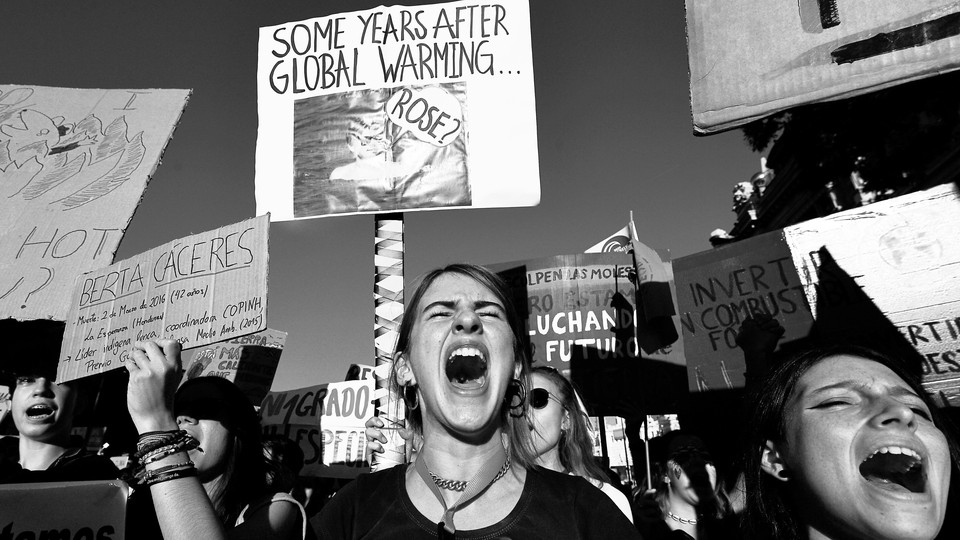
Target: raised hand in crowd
{"type": "Point", "coordinates": [757, 338]}
{"type": "Point", "coordinates": [200, 455]}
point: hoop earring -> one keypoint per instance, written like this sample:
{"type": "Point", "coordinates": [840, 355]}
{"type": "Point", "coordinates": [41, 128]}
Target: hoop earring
{"type": "Point", "coordinates": [407, 399]}
{"type": "Point", "coordinates": [516, 398]}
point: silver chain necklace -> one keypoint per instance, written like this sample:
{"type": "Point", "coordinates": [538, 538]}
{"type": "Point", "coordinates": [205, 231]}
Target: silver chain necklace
{"type": "Point", "coordinates": [460, 485]}
{"type": "Point", "coordinates": [681, 520]}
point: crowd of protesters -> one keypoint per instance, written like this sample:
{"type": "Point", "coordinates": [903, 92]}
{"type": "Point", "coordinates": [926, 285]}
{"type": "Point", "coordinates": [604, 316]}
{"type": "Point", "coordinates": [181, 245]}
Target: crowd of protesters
{"type": "Point", "coordinates": [842, 443]}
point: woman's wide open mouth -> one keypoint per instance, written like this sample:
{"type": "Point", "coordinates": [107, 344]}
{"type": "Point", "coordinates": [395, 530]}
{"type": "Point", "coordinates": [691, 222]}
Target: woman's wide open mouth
{"type": "Point", "coordinates": [895, 468]}
{"type": "Point", "coordinates": [466, 367]}
{"type": "Point", "coordinates": [40, 412]}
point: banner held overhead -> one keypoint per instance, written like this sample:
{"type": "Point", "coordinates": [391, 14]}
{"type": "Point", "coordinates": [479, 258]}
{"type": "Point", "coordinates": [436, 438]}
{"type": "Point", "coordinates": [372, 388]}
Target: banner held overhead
{"type": "Point", "coordinates": [198, 290]}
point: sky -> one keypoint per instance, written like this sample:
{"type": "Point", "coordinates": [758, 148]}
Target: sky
{"type": "Point", "coordinates": [614, 136]}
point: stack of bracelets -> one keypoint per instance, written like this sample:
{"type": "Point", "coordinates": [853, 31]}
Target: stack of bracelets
{"type": "Point", "coordinates": [156, 445]}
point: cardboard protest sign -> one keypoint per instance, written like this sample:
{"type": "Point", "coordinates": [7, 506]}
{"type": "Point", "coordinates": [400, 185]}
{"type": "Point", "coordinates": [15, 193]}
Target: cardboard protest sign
{"type": "Point", "coordinates": [581, 304]}
{"type": "Point", "coordinates": [397, 108]}
{"type": "Point", "coordinates": [69, 510]}
{"type": "Point", "coordinates": [900, 257]}
{"type": "Point", "coordinates": [883, 275]}
{"type": "Point", "coordinates": [327, 421]}
{"type": "Point", "coordinates": [73, 167]}
{"type": "Point", "coordinates": [751, 58]}
{"type": "Point", "coordinates": [718, 289]}
{"type": "Point", "coordinates": [249, 361]}
{"type": "Point", "coordinates": [199, 289]}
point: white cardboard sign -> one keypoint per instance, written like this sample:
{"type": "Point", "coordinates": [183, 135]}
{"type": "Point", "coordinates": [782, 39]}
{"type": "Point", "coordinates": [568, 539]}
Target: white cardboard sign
{"type": "Point", "coordinates": [397, 108]}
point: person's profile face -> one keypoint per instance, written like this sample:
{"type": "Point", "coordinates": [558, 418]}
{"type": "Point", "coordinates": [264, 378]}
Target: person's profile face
{"type": "Point", "coordinates": [863, 457]}
{"type": "Point", "coordinates": [680, 485]}
{"type": "Point", "coordinates": [43, 410]}
{"type": "Point", "coordinates": [545, 414]}
{"type": "Point", "coordinates": [461, 354]}
{"type": "Point", "coordinates": [213, 454]}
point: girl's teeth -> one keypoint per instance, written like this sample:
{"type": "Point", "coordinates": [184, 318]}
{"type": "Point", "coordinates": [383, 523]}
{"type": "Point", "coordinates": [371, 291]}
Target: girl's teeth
{"type": "Point", "coordinates": [898, 450]}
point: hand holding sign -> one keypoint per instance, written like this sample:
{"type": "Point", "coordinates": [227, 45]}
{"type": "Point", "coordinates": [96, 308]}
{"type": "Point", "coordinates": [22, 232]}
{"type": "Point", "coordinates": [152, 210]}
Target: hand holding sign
{"type": "Point", "coordinates": [432, 114]}
{"type": "Point", "coordinates": [154, 375]}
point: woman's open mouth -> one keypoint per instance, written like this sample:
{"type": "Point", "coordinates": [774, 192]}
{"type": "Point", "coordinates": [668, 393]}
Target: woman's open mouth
{"type": "Point", "coordinates": [466, 368]}
{"type": "Point", "coordinates": [40, 412]}
{"type": "Point", "coordinates": [895, 468]}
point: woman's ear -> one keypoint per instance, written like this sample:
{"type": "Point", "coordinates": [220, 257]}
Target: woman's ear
{"type": "Point", "coordinates": [772, 463]}
{"type": "Point", "coordinates": [405, 376]}
{"type": "Point", "coordinates": [517, 370]}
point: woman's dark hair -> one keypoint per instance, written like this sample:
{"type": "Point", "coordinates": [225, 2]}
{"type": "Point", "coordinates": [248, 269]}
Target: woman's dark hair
{"type": "Point", "coordinates": [244, 476]}
{"type": "Point", "coordinates": [713, 503]}
{"type": "Point", "coordinates": [770, 512]}
{"type": "Point", "coordinates": [244, 479]}
{"type": "Point", "coordinates": [514, 423]}
{"type": "Point", "coordinates": [284, 462]}
{"type": "Point", "coordinates": [576, 444]}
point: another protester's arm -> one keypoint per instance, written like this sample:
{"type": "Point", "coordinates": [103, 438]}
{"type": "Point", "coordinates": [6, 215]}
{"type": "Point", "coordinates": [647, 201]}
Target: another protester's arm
{"type": "Point", "coordinates": [275, 519]}
{"type": "Point", "coordinates": [757, 338]}
{"type": "Point", "coordinates": [183, 509]}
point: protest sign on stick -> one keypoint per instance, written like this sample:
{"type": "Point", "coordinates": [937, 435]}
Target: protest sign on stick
{"type": "Point", "coordinates": [751, 58]}
{"type": "Point", "coordinates": [73, 167]}
{"type": "Point", "coordinates": [198, 290]}
{"type": "Point", "coordinates": [397, 108]}
{"type": "Point", "coordinates": [69, 510]}
{"type": "Point", "coordinates": [249, 361]}
{"type": "Point", "coordinates": [582, 318]}
{"type": "Point", "coordinates": [579, 304]}
{"type": "Point", "coordinates": [327, 421]}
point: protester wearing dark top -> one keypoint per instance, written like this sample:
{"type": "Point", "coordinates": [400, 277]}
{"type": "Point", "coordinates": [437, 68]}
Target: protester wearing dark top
{"type": "Point", "coordinates": [464, 374]}
{"type": "Point", "coordinates": [553, 505]}
{"type": "Point", "coordinates": [75, 465]}
{"type": "Point", "coordinates": [43, 413]}
{"type": "Point", "coordinates": [689, 502]}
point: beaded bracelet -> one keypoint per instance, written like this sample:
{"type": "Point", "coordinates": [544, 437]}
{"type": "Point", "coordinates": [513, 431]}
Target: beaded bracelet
{"type": "Point", "coordinates": [144, 474]}
{"type": "Point", "coordinates": [152, 438]}
{"type": "Point", "coordinates": [155, 442]}
{"type": "Point", "coordinates": [148, 476]}
{"type": "Point", "coordinates": [168, 450]}
{"type": "Point", "coordinates": [172, 475]}
{"type": "Point", "coordinates": [182, 440]}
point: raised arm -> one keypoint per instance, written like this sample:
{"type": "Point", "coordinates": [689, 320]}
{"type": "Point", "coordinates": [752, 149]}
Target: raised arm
{"type": "Point", "coordinates": [183, 508]}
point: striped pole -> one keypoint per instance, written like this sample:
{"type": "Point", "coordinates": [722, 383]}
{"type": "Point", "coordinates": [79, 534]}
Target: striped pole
{"type": "Point", "coordinates": [388, 310]}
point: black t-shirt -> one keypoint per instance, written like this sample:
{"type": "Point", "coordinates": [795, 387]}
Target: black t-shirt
{"type": "Point", "coordinates": [551, 506]}
{"type": "Point", "coordinates": [75, 465]}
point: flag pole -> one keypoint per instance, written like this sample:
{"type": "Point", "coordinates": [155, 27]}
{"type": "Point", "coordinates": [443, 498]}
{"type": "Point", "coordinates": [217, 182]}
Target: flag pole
{"type": "Point", "coordinates": [388, 311]}
{"type": "Point", "coordinates": [636, 269]}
